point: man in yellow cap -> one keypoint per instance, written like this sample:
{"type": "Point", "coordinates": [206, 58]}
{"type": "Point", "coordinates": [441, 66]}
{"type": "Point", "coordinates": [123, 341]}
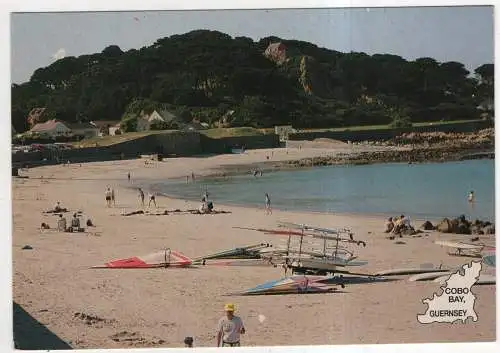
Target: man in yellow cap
{"type": "Point", "coordinates": [229, 329]}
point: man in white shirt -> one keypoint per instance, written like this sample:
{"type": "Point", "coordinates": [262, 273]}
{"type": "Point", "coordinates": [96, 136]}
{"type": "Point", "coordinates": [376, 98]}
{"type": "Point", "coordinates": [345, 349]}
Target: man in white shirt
{"type": "Point", "coordinates": [230, 328]}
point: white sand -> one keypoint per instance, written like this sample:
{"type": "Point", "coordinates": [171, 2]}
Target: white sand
{"type": "Point", "coordinates": [52, 281]}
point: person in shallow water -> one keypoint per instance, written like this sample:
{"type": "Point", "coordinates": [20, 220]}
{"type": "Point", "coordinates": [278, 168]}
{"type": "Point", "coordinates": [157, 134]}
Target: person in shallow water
{"type": "Point", "coordinates": [230, 328]}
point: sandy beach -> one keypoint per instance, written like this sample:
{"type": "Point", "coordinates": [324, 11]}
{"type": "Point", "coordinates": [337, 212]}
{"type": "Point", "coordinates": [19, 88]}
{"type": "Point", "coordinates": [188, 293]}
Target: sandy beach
{"type": "Point", "coordinates": [159, 307]}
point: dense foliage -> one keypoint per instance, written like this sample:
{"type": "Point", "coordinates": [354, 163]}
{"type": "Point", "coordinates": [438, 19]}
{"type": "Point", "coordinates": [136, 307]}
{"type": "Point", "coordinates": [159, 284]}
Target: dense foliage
{"type": "Point", "coordinates": [209, 76]}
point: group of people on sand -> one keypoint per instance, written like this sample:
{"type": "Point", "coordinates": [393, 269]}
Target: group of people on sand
{"type": "Point", "coordinates": [151, 198]}
{"type": "Point", "coordinates": [62, 226]}
{"type": "Point", "coordinates": [229, 329]}
{"type": "Point", "coordinates": [397, 225]}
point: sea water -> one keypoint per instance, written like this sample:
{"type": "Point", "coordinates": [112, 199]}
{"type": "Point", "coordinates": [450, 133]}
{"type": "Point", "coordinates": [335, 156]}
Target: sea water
{"type": "Point", "coordinates": [428, 190]}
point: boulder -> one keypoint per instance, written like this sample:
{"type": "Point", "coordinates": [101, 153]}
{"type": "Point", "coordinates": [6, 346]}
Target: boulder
{"type": "Point", "coordinates": [444, 226]}
{"type": "Point", "coordinates": [427, 226]}
{"type": "Point", "coordinates": [475, 229]}
{"type": "Point", "coordinates": [489, 229]}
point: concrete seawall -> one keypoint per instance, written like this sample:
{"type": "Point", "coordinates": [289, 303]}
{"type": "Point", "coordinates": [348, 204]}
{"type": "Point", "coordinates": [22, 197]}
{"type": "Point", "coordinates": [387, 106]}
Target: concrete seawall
{"type": "Point", "coordinates": [176, 143]}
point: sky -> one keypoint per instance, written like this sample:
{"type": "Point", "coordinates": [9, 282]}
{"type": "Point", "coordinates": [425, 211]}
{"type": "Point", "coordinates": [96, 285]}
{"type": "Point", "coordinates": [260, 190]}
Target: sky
{"type": "Point", "coordinates": [463, 34]}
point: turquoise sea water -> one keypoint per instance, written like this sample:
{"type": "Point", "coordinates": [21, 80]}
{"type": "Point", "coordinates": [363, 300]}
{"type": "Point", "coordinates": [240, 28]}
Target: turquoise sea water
{"type": "Point", "coordinates": [430, 190]}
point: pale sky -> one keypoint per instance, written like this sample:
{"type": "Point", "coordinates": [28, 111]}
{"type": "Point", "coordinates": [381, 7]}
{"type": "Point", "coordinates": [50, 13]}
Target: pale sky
{"type": "Point", "coordinates": [463, 34]}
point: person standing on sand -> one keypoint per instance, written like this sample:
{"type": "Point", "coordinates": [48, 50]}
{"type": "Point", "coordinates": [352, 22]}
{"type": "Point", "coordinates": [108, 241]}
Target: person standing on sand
{"type": "Point", "coordinates": [141, 196]}
{"type": "Point", "coordinates": [230, 328]}
{"type": "Point", "coordinates": [108, 197]}
{"type": "Point", "coordinates": [268, 205]}
{"type": "Point", "coordinates": [152, 198]}
{"type": "Point", "coordinates": [128, 176]}
{"type": "Point", "coordinates": [471, 197]}
{"type": "Point", "coordinates": [192, 176]}
{"type": "Point", "coordinates": [113, 196]}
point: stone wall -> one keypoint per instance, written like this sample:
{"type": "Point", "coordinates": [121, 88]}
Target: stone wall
{"type": "Point", "coordinates": [169, 144]}
{"type": "Point", "coordinates": [224, 145]}
{"type": "Point", "coordinates": [387, 134]}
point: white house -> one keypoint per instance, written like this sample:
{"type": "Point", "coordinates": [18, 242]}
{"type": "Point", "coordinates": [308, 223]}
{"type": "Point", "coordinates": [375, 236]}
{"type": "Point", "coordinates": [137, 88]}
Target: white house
{"type": "Point", "coordinates": [115, 129]}
{"type": "Point", "coordinates": [87, 130]}
{"type": "Point", "coordinates": [51, 128]}
{"type": "Point", "coordinates": [144, 122]}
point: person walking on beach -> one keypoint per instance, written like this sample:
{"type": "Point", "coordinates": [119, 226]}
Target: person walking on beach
{"type": "Point", "coordinates": [113, 196]}
{"type": "Point", "coordinates": [230, 328]}
{"type": "Point", "coordinates": [108, 197]}
{"type": "Point", "coordinates": [268, 205]}
{"type": "Point", "coordinates": [141, 196]}
{"type": "Point", "coordinates": [128, 176]}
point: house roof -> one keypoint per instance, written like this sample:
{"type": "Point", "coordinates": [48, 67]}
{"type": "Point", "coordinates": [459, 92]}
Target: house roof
{"type": "Point", "coordinates": [105, 123]}
{"type": "Point", "coordinates": [47, 126]}
{"type": "Point", "coordinates": [81, 126]}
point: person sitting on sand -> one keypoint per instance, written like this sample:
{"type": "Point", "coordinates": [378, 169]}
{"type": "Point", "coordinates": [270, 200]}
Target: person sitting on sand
{"type": "Point", "coordinates": [44, 226]}
{"type": "Point", "coordinates": [57, 207]}
{"type": "Point", "coordinates": [188, 342]}
{"type": "Point", "coordinates": [61, 223]}
{"type": "Point", "coordinates": [389, 225]}
{"type": "Point", "coordinates": [75, 224]}
{"type": "Point", "coordinates": [89, 223]}
{"type": "Point", "coordinates": [203, 207]}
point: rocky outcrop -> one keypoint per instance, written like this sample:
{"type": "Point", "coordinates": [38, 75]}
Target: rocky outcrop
{"type": "Point", "coordinates": [461, 225]}
{"type": "Point", "coordinates": [427, 226]}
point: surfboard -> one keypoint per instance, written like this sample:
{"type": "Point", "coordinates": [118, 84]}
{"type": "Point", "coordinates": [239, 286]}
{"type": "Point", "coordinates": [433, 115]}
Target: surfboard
{"type": "Point", "coordinates": [427, 276]}
{"type": "Point", "coordinates": [408, 271]}
{"type": "Point", "coordinates": [458, 245]}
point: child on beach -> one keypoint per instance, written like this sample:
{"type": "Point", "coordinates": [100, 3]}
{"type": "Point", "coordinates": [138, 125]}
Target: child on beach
{"type": "Point", "coordinates": [268, 205]}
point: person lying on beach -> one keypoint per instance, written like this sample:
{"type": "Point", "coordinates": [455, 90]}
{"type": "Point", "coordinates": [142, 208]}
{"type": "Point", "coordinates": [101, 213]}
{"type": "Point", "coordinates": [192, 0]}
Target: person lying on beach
{"type": "Point", "coordinates": [57, 209]}
{"type": "Point", "coordinates": [61, 223]}
{"type": "Point", "coordinates": [389, 225]}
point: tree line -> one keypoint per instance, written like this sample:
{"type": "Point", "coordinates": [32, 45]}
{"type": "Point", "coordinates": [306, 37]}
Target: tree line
{"type": "Point", "coordinates": [205, 74]}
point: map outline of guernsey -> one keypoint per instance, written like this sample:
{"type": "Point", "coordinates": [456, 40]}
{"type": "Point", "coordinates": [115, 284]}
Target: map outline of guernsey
{"type": "Point", "coordinates": [456, 302]}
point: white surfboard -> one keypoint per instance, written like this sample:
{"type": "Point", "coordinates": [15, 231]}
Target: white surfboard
{"type": "Point", "coordinates": [427, 276]}
{"type": "Point", "coordinates": [458, 245]}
